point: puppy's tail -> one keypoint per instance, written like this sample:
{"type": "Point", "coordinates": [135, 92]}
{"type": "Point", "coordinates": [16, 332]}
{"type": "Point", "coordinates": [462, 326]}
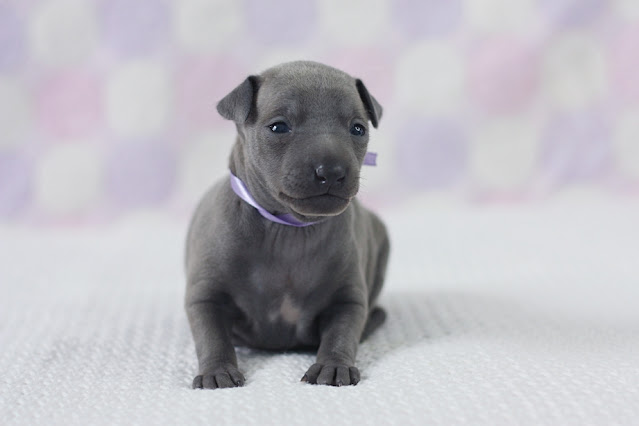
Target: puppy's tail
{"type": "Point", "coordinates": [376, 318]}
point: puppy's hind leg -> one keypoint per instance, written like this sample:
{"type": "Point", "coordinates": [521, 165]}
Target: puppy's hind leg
{"type": "Point", "coordinates": [375, 319]}
{"type": "Point", "coordinates": [377, 315]}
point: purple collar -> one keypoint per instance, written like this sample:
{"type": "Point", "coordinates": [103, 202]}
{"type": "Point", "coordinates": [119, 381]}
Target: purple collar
{"type": "Point", "coordinates": [285, 219]}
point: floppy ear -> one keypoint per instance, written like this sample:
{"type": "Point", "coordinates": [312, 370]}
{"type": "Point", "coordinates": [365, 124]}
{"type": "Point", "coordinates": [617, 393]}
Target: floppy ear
{"type": "Point", "coordinates": [373, 108]}
{"type": "Point", "coordinates": [237, 105]}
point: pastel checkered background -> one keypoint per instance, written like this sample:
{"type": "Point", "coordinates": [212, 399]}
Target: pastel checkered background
{"type": "Point", "coordinates": [107, 107]}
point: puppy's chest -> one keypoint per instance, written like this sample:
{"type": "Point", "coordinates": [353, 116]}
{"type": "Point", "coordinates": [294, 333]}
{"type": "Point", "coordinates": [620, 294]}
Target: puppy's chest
{"type": "Point", "coordinates": [284, 292]}
{"type": "Point", "coordinates": [282, 283]}
{"type": "Point", "coordinates": [280, 302]}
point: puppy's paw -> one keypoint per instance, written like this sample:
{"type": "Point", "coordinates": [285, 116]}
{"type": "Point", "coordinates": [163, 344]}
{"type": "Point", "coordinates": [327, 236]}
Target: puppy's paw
{"type": "Point", "coordinates": [225, 376]}
{"type": "Point", "coordinates": [332, 374]}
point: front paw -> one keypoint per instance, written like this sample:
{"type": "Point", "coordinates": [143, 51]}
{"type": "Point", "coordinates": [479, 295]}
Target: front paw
{"type": "Point", "coordinates": [224, 376]}
{"type": "Point", "coordinates": [332, 374]}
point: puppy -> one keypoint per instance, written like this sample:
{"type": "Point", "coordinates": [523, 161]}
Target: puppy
{"type": "Point", "coordinates": [280, 254]}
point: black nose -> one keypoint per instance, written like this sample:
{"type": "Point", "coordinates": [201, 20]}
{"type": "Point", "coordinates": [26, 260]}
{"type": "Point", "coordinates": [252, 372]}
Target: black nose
{"type": "Point", "coordinates": [330, 174]}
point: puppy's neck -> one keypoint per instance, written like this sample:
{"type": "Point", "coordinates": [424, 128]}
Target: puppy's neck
{"type": "Point", "coordinates": [253, 181]}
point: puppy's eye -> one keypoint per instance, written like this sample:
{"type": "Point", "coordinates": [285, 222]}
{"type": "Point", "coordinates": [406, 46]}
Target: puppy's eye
{"type": "Point", "coordinates": [279, 127]}
{"type": "Point", "coordinates": [358, 130]}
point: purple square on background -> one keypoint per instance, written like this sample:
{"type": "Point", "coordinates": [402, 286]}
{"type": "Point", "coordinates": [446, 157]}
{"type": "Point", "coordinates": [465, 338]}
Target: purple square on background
{"type": "Point", "coordinates": [140, 173]}
{"type": "Point", "coordinates": [576, 147]}
{"type": "Point", "coordinates": [12, 41]}
{"type": "Point", "coordinates": [432, 153]}
{"type": "Point", "coordinates": [281, 21]}
{"type": "Point", "coordinates": [15, 183]}
{"type": "Point", "coordinates": [135, 27]}
{"type": "Point", "coordinates": [428, 17]}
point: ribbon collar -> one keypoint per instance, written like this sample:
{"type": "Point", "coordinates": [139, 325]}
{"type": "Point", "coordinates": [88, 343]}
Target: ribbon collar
{"type": "Point", "coordinates": [284, 219]}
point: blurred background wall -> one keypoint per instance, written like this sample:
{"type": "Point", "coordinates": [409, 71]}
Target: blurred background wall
{"type": "Point", "coordinates": [108, 107]}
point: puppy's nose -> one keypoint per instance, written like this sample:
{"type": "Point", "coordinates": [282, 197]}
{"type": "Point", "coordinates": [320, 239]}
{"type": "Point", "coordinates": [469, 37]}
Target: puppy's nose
{"type": "Point", "coordinates": [330, 174]}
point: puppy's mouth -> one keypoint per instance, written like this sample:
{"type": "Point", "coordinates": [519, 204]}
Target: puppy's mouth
{"type": "Point", "coordinates": [317, 205]}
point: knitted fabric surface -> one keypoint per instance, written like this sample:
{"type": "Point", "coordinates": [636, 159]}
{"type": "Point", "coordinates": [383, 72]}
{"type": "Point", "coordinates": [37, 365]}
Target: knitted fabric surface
{"type": "Point", "coordinates": [508, 324]}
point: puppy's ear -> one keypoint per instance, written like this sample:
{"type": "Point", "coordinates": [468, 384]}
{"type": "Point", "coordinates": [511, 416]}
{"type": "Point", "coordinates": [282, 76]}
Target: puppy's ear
{"type": "Point", "coordinates": [237, 105]}
{"type": "Point", "coordinates": [373, 108]}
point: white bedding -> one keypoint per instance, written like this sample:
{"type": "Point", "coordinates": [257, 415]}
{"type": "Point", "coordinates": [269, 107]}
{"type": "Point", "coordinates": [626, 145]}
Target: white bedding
{"type": "Point", "coordinates": [495, 316]}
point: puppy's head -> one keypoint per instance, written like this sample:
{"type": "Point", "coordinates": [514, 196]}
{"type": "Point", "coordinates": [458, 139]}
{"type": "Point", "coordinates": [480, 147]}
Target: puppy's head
{"type": "Point", "coordinates": [302, 135]}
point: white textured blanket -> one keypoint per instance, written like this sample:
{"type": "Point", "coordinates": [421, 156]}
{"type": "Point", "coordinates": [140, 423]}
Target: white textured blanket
{"type": "Point", "coordinates": [494, 317]}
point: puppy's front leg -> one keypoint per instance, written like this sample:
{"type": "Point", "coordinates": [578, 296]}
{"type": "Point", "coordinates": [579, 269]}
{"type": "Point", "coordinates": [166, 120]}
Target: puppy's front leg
{"type": "Point", "coordinates": [340, 330]}
{"type": "Point", "coordinates": [215, 352]}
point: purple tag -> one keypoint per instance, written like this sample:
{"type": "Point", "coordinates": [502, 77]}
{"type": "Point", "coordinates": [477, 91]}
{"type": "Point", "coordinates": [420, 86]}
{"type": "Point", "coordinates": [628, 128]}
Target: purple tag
{"type": "Point", "coordinates": [370, 159]}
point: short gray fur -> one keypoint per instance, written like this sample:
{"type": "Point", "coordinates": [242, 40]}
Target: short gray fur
{"type": "Point", "coordinates": [256, 283]}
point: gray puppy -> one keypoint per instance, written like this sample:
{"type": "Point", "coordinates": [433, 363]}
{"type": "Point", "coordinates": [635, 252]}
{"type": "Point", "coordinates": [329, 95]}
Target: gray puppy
{"type": "Point", "coordinates": [280, 255]}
